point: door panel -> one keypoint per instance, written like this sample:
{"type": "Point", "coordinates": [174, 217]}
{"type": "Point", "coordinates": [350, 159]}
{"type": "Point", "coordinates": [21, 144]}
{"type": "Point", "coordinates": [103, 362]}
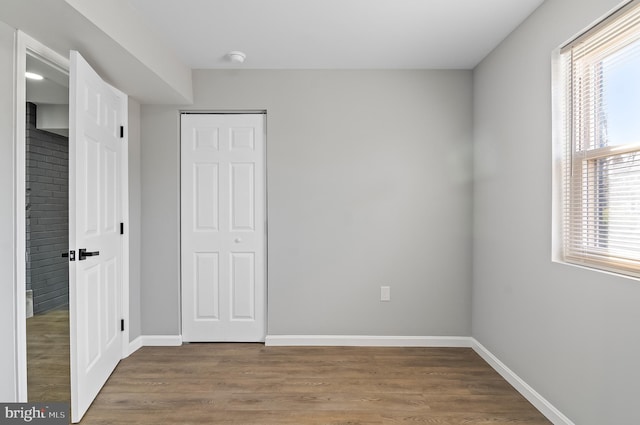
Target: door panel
{"type": "Point", "coordinates": [207, 286]}
{"type": "Point", "coordinates": [223, 227]}
{"type": "Point", "coordinates": [95, 208]}
{"type": "Point", "coordinates": [206, 197]}
{"type": "Point", "coordinates": [243, 285]}
{"type": "Point", "coordinates": [242, 197]}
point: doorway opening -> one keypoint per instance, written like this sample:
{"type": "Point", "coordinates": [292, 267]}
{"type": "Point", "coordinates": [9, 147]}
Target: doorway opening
{"type": "Point", "coordinates": [82, 331]}
{"type": "Point", "coordinates": [47, 231]}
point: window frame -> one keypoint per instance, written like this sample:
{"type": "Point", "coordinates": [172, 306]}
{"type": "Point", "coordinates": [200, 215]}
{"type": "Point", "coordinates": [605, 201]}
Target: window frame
{"type": "Point", "coordinates": [568, 173]}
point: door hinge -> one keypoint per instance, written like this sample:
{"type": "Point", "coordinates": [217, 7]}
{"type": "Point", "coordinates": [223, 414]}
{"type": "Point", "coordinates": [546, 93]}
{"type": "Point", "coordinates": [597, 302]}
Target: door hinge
{"type": "Point", "coordinates": [122, 132]}
{"type": "Point", "coordinates": [122, 325]}
{"type": "Point", "coordinates": [122, 228]}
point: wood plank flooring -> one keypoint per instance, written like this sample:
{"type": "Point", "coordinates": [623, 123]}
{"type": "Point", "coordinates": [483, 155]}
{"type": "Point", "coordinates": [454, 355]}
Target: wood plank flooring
{"type": "Point", "coordinates": [253, 384]}
{"type": "Point", "coordinates": [48, 357]}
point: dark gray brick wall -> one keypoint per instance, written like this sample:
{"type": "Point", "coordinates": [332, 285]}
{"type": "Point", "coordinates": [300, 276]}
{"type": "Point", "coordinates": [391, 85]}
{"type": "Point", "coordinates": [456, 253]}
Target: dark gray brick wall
{"type": "Point", "coordinates": [47, 215]}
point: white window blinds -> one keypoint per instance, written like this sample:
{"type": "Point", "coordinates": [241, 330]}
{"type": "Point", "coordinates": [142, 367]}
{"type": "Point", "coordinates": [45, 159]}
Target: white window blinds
{"type": "Point", "coordinates": [601, 164]}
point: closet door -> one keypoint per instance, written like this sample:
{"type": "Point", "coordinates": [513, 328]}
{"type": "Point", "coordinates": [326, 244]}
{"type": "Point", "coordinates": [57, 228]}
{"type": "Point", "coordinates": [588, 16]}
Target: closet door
{"type": "Point", "coordinates": [223, 227]}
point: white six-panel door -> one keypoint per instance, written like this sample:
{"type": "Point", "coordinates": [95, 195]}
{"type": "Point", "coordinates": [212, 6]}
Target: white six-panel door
{"type": "Point", "coordinates": [97, 111]}
{"type": "Point", "coordinates": [223, 227]}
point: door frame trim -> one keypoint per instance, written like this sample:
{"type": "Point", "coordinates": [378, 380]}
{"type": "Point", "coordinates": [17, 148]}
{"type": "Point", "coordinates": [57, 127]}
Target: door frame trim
{"type": "Point", "coordinates": [25, 44]}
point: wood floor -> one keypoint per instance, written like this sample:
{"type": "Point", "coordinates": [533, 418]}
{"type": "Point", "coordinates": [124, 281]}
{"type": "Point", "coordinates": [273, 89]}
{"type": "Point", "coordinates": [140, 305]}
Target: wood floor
{"type": "Point", "coordinates": [250, 384]}
{"type": "Point", "coordinates": [48, 357]}
{"type": "Point", "coordinates": [253, 384]}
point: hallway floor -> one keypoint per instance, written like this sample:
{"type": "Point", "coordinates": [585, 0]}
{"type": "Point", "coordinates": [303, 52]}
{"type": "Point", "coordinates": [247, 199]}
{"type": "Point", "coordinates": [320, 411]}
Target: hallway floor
{"type": "Point", "coordinates": [48, 357]}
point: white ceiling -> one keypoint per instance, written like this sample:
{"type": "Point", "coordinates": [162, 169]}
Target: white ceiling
{"type": "Point", "coordinates": [53, 89]}
{"type": "Point", "coordinates": [334, 34]}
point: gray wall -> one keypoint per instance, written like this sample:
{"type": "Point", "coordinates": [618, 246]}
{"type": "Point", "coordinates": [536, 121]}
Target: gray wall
{"type": "Point", "coordinates": [160, 224]}
{"type": "Point", "coordinates": [369, 184]}
{"type": "Point", "coordinates": [7, 213]}
{"type": "Point", "coordinates": [133, 227]}
{"type": "Point", "coordinates": [47, 215]}
{"type": "Point", "coordinates": [572, 334]}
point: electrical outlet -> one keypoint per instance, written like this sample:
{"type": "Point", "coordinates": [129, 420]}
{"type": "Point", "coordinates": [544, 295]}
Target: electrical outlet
{"type": "Point", "coordinates": [385, 293]}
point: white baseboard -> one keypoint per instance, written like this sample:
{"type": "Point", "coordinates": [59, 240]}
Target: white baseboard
{"type": "Point", "coordinates": [161, 340]}
{"type": "Point", "coordinates": [367, 341]}
{"type": "Point", "coordinates": [135, 345]}
{"type": "Point", "coordinates": [154, 341]}
{"type": "Point", "coordinates": [539, 402]}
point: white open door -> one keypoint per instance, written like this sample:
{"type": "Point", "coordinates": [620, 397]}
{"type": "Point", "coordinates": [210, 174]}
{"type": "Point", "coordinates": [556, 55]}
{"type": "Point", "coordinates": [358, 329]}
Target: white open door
{"type": "Point", "coordinates": [96, 113]}
{"type": "Point", "coordinates": [223, 227]}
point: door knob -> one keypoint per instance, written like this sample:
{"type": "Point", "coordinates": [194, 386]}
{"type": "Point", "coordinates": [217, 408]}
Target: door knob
{"type": "Point", "coordinates": [237, 240]}
{"type": "Point", "coordinates": [83, 254]}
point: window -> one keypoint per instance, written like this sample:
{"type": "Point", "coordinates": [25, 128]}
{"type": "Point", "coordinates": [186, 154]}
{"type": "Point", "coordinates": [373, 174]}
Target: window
{"type": "Point", "coordinates": [600, 79]}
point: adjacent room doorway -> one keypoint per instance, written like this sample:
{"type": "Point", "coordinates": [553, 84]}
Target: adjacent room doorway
{"type": "Point", "coordinates": [47, 230]}
{"type": "Point", "coordinates": [97, 251]}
